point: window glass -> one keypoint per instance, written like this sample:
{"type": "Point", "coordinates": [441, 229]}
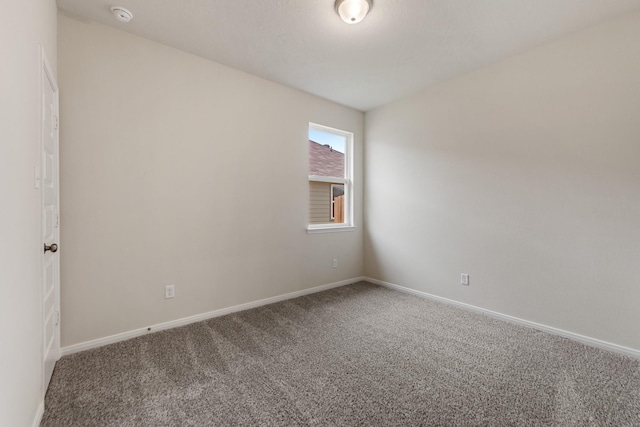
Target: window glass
{"type": "Point", "coordinates": [329, 176]}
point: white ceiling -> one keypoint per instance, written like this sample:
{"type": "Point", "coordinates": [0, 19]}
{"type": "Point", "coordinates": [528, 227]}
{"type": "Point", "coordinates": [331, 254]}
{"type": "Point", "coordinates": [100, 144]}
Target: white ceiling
{"type": "Point", "coordinates": [402, 45]}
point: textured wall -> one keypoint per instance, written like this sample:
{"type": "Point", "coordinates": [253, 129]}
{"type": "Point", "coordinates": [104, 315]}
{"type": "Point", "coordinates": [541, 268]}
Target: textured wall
{"type": "Point", "coordinates": [24, 25]}
{"type": "Point", "coordinates": [177, 170]}
{"type": "Point", "coordinates": [525, 175]}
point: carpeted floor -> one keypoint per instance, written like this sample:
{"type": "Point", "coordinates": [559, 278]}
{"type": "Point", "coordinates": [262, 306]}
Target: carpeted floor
{"type": "Point", "coordinates": [356, 355]}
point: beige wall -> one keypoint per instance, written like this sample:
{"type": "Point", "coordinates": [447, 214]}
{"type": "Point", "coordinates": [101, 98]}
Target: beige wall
{"type": "Point", "coordinates": [526, 175]}
{"type": "Point", "coordinates": [23, 26]}
{"type": "Point", "coordinates": [172, 172]}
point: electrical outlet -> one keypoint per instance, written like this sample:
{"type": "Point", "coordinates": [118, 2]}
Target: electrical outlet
{"type": "Point", "coordinates": [335, 263]}
{"type": "Point", "coordinates": [169, 291]}
{"type": "Point", "coordinates": [464, 279]}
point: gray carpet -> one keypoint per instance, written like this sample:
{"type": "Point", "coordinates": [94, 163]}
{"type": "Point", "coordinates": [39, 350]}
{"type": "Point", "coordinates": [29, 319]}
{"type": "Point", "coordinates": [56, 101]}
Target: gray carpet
{"type": "Point", "coordinates": [356, 355]}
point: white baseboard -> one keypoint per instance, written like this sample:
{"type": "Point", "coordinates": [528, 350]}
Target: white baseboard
{"type": "Point", "coordinates": [39, 413]}
{"type": "Point", "coordinates": [199, 317]}
{"type": "Point", "coordinates": [566, 334]}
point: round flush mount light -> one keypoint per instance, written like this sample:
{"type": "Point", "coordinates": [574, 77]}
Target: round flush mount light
{"type": "Point", "coordinates": [121, 14]}
{"type": "Point", "coordinates": [353, 11]}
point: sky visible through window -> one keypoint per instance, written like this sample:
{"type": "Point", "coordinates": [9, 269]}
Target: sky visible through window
{"type": "Point", "coordinates": [336, 142]}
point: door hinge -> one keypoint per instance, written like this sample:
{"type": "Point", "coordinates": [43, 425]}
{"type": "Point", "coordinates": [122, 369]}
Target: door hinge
{"type": "Point", "coordinates": [57, 220]}
{"type": "Point", "coordinates": [56, 122]}
{"type": "Point", "coordinates": [57, 318]}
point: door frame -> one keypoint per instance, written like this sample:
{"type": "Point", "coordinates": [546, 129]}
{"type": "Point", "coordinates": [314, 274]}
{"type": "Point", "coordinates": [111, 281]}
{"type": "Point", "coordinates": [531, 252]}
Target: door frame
{"type": "Point", "coordinates": [46, 71]}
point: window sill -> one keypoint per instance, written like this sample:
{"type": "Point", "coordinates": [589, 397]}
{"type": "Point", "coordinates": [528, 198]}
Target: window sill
{"type": "Point", "coordinates": [317, 229]}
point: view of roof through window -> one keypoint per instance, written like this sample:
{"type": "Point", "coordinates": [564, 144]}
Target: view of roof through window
{"type": "Point", "coordinates": [336, 142]}
{"type": "Point", "coordinates": [325, 161]}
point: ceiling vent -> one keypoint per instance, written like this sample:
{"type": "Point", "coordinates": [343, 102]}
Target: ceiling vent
{"type": "Point", "coordinates": [121, 14]}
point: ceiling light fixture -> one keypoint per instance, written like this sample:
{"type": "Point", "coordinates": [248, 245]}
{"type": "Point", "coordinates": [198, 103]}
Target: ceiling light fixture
{"type": "Point", "coordinates": [353, 11]}
{"type": "Point", "coordinates": [121, 14]}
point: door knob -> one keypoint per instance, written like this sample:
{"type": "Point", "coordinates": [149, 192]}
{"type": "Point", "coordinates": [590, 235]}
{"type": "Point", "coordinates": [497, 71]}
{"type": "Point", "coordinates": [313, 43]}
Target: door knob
{"type": "Point", "coordinates": [52, 248]}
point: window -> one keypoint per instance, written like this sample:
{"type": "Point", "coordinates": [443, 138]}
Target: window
{"type": "Point", "coordinates": [330, 179]}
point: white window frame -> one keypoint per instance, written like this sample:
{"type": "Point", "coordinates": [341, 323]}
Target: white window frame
{"type": "Point", "coordinates": [347, 181]}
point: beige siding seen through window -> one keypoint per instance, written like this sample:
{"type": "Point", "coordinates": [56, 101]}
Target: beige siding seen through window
{"type": "Point", "coordinates": [319, 202]}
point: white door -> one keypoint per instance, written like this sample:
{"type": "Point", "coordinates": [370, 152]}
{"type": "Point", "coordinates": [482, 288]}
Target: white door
{"type": "Point", "coordinates": [50, 223]}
